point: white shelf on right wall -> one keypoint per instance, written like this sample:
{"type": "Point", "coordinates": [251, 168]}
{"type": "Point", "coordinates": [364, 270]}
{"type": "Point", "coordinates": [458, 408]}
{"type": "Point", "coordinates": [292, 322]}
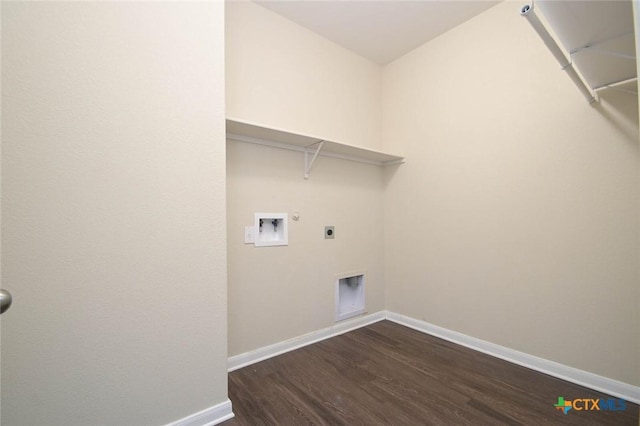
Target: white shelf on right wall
{"type": "Point", "coordinates": [598, 39]}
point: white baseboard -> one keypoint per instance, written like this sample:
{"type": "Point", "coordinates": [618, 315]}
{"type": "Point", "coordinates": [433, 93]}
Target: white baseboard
{"type": "Point", "coordinates": [242, 360]}
{"type": "Point", "coordinates": [207, 417]}
{"type": "Point", "coordinates": [561, 371]}
{"type": "Point", "coordinates": [570, 374]}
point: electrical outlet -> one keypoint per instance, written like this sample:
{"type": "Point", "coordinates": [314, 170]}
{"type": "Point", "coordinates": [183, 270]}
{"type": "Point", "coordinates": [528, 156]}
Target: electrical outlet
{"type": "Point", "coordinates": [329, 233]}
{"type": "Point", "coordinates": [248, 235]}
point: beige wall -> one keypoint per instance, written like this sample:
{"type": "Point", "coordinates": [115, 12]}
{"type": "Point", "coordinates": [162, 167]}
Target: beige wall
{"type": "Point", "coordinates": [113, 233]}
{"type": "Point", "coordinates": [283, 76]}
{"type": "Point", "coordinates": [276, 293]}
{"type": "Point", "coordinates": [522, 200]}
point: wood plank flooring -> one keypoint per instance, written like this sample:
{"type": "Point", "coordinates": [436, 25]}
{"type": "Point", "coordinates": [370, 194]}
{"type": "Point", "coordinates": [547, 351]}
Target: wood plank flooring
{"type": "Point", "coordinates": [387, 374]}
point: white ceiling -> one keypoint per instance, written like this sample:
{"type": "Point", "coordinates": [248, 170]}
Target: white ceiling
{"type": "Point", "coordinates": [379, 30]}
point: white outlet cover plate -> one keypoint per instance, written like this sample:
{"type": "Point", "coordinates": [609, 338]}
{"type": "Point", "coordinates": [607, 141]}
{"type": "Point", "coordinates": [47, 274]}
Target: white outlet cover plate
{"type": "Point", "coordinates": [248, 235]}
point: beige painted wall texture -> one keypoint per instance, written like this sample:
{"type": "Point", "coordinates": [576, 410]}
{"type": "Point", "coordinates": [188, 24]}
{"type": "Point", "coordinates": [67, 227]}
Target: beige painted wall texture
{"type": "Point", "coordinates": [516, 216]}
{"type": "Point", "coordinates": [277, 293]}
{"type": "Point", "coordinates": [284, 76]}
{"type": "Point", "coordinates": [113, 231]}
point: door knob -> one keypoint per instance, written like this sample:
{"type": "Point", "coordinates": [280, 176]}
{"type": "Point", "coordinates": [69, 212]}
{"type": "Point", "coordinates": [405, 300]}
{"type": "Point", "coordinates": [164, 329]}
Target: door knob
{"type": "Point", "coordinates": [5, 300]}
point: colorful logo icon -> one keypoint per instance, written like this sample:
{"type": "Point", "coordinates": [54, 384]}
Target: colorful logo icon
{"type": "Point", "coordinates": [563, 405]}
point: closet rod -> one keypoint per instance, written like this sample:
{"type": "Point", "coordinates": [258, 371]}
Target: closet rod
{"type": "Point", "coordinates": [566, 64]}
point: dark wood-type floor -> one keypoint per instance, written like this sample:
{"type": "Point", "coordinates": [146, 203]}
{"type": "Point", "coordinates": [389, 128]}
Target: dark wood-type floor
{"type": "Point", "coordinates": [389, 374]}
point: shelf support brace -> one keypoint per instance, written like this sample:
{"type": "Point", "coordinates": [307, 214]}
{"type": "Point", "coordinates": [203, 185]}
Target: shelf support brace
{"type": "Point", "coordinates": [308, 164]}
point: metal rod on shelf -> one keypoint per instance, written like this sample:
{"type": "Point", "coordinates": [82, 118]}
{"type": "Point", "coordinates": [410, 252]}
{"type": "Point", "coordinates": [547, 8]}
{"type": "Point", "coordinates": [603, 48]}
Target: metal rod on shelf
{"type": "Point", "coordinates": [604, 52]}
{"type": "Point", "coordinates": [528, 12]}
{"type": "Point", "coordinates": [615, 85]}
{"type": "Point", "coordinates": [594, 46]}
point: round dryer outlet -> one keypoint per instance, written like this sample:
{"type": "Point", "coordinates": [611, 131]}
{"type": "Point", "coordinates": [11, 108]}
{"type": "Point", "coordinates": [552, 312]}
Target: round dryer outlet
{"type": "Point", "coordinates": [329, 233]}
